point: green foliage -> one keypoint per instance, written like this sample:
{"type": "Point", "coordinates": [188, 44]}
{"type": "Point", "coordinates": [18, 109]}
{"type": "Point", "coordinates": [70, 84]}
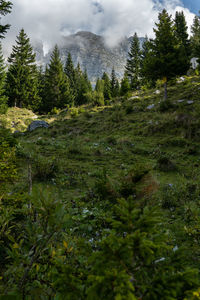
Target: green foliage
{"type": "Point", "coordinates": [167, 54]}
{"type": "Point", "coordinates": [31, 248]}
{"type": "Point", "coordinates": [7, 137]}
{"type": "Point", "coordinates": [111, 216]}
{"type": "Point", "coordinates": [73, 112]}
{"type": "Point", "coordinates": [44, 168]}
{"type": "Point", "coordinates": [136, 242]}
{"type": "Point", "coordinates": [7, 163]}
{"type": "Point", "coordinates": [133, 63]}
{"type": "Point", "coordinates": [195, 38]}
{"type": "Point", "coordinates": [98, 98]}
{"type": "Point", "coordinates": [114, 85]}
{"type": "Point", "coordinates": [83, 86]}
{"type": "Point", "coordinates": [182, 35]}
{"type": "Point", "coordinates": [165, 105]}
{"type": "Point", "coordinates": [79, 82]}
{"type": "Point", "coordinates": [5, 8]}
{"type": "Point", "coordinates": [125, 86]}
{"type": "Point", "coordinates": [106, 87]}
{"type": "Point", "coordinates": [165, 164]}
{"type": "Point", "coordinates": [3, 98]}
{"type": "Point", "coordinates": [57, 90]}
{"type": "Point", "coordinates": [22, 77]}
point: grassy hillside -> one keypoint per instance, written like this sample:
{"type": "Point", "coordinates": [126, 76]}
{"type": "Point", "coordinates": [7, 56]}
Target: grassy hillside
{"type": "Point", "coordinates": [139, 147]}
{"type": "Point", "coordinates": [114, 140]}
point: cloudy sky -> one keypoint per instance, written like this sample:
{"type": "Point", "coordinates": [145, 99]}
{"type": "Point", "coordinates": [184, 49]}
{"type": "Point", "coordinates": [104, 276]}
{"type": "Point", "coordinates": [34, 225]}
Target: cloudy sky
{"type": "Point", "coordinates": [49, 20]}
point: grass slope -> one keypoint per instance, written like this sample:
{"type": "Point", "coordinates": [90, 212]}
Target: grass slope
{"type": "Point", "coordinates": [139, 146]}
{"type": "Point", "coordinates": [75, 150]}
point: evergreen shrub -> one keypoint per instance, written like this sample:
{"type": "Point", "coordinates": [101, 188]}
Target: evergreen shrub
{"type": "Point", "coordinates": [44, 168]}
{"type": "Point", "coordinates": [165, 105]}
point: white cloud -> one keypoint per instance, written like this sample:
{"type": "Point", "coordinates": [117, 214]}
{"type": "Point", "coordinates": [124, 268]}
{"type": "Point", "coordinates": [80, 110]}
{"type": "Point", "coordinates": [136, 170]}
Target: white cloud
{"type": "Point", "coordinates": [48, 20]}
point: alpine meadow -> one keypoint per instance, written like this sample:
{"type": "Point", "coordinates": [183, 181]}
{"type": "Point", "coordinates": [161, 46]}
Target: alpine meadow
{"type": "Point", "coordinates": [100, 181]}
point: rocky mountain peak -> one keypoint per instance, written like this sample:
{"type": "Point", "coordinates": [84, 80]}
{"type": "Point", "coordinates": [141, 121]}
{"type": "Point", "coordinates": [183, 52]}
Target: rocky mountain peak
{"type": "Point", "coordinates": [92, 53]}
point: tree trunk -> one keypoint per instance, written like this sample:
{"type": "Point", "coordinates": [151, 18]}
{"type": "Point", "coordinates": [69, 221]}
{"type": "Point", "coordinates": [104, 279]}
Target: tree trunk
{"type": "Point", "coordinates": [165, 90]}
{"type": "Point", "coordinates": [29, 183]}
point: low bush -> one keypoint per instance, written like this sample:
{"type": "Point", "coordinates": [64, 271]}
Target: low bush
{"type": "Point", "coordinates": [45, 168]}
{"type": "Point", "coordinates": [165, 164]}
{"type": "Point", "coordinates": [73, 112]}
{"type": "Point", "coordinates": [129, 108]}
{"type": "Point", "coordinates": [165, 105]}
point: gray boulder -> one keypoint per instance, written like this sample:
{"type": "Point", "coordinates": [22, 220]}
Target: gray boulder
{"type": "Point", "coordinates": [37, 124]}
{"type": "Point", "coordinates": [151, 106]}
{"type": "Point", "coordinates": [190, 102]}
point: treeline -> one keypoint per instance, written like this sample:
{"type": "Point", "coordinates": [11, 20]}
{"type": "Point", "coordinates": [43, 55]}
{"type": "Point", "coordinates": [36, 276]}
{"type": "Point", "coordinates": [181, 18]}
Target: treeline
{"type": "Point", "coordinates": [166, 56]}
{"type": "Point", "coordinates": [59, 86]}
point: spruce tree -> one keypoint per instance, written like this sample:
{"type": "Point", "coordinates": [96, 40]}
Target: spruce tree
{"type": "Point", "coordinates": [181, 32]}
{"type": "Point", "coordinates": [57, 91]}
{"type": "Point", "coordinates": [125, 85]}
{"type": "Point", "coordinates": [195, 38]}
{"type": "Point", "coordinates": [87, 81]}
{"type": "Point", "coordinates": [3, 98]}
{"type": "Point", "coordinates": [114, 83]}
{"type": "Point", "coordinates": [99, 87]}
{"type": "Point", "coordinates": [71, 73]}
{"type": "Point", "coordinates": [144, 54]}
{"type": "Point", "coordinates": [183, 41]}
{"type": "Point", "coordinates": [82, 86]}
{"type": "Point", "coordinates": [5, 8]}
{"type": "Point", "coordinates": [22, 80]}
{"type": "Point", "coordinates": [165, 58]}
{"type": "Point", "coordinates": [85, 88]}
{"type": "Point", "coordinates": [133, 63]}
{"type": "Point", "coordinates": [98, 94]}
{"type": "Point", "coordinates": [106, 87]}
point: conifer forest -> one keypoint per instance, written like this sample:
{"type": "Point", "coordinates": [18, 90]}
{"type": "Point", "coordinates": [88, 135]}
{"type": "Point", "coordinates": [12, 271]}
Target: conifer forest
{"type": "Point", "coordinates": [100, 182]}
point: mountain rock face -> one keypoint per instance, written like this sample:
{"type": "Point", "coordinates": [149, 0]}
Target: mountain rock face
{"type": "Point", "coordinates": [92, 53]}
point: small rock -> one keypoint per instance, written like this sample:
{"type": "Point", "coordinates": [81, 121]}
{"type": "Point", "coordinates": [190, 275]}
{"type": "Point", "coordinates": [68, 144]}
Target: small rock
{"type": "Point", "coordinates": [180, 101]}
{"type": "Point", "coordinates": [175, 248]}
{"type": "Point", "coordinates": [37, 124]}
{"type": "Point", "coordinates": [159, 260]}
{"type": "Point", "coordinates": [151, 106]}
{"type": "Point", "coordinates": [157, 92]}
{"type": "Point", "coordinates": [134, 97]}
{"type": "Point", "coordinates": [190, 102]}
{"type": "Point", "coordinates": [180, 80]}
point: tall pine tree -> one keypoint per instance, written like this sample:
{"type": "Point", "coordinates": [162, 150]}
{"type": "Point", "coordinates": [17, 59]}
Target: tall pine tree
{"type": "Point", "coordinates": [181, 32]}
{"type": "Point", "coordinates": [3, 98]}
{"type": "Point", "coordinates": [144, 53]}
{"type": "Point", "coordinates": [57, 91]}
{"type": "Point", "coordinates": [22, 80]}
{"type": "Point", "coordinates": [84, 88]}
{"type": "Point", "coordinates": [195, 37]}
{"type": "Point", "coordinates": [114, 84]}
{"type": "Point", "coordinates": [133, 63]}
{"type": "Point", "coordinates": [71, 73]}
{"type": "Point", "coordinates": [5, 8]}
{"type": "Point", "coordinates": [183, 41]}
{"type": "Point", "coordinates": [106, 87]}
{"type": "Point", "coordinates": [125, 85]}
{"type": "Point", "coordinates": [165, 58]}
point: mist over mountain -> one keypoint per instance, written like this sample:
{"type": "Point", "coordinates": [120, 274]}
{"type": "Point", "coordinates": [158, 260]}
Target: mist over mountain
{"type": "Point", "coordinates": [92, 52]}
